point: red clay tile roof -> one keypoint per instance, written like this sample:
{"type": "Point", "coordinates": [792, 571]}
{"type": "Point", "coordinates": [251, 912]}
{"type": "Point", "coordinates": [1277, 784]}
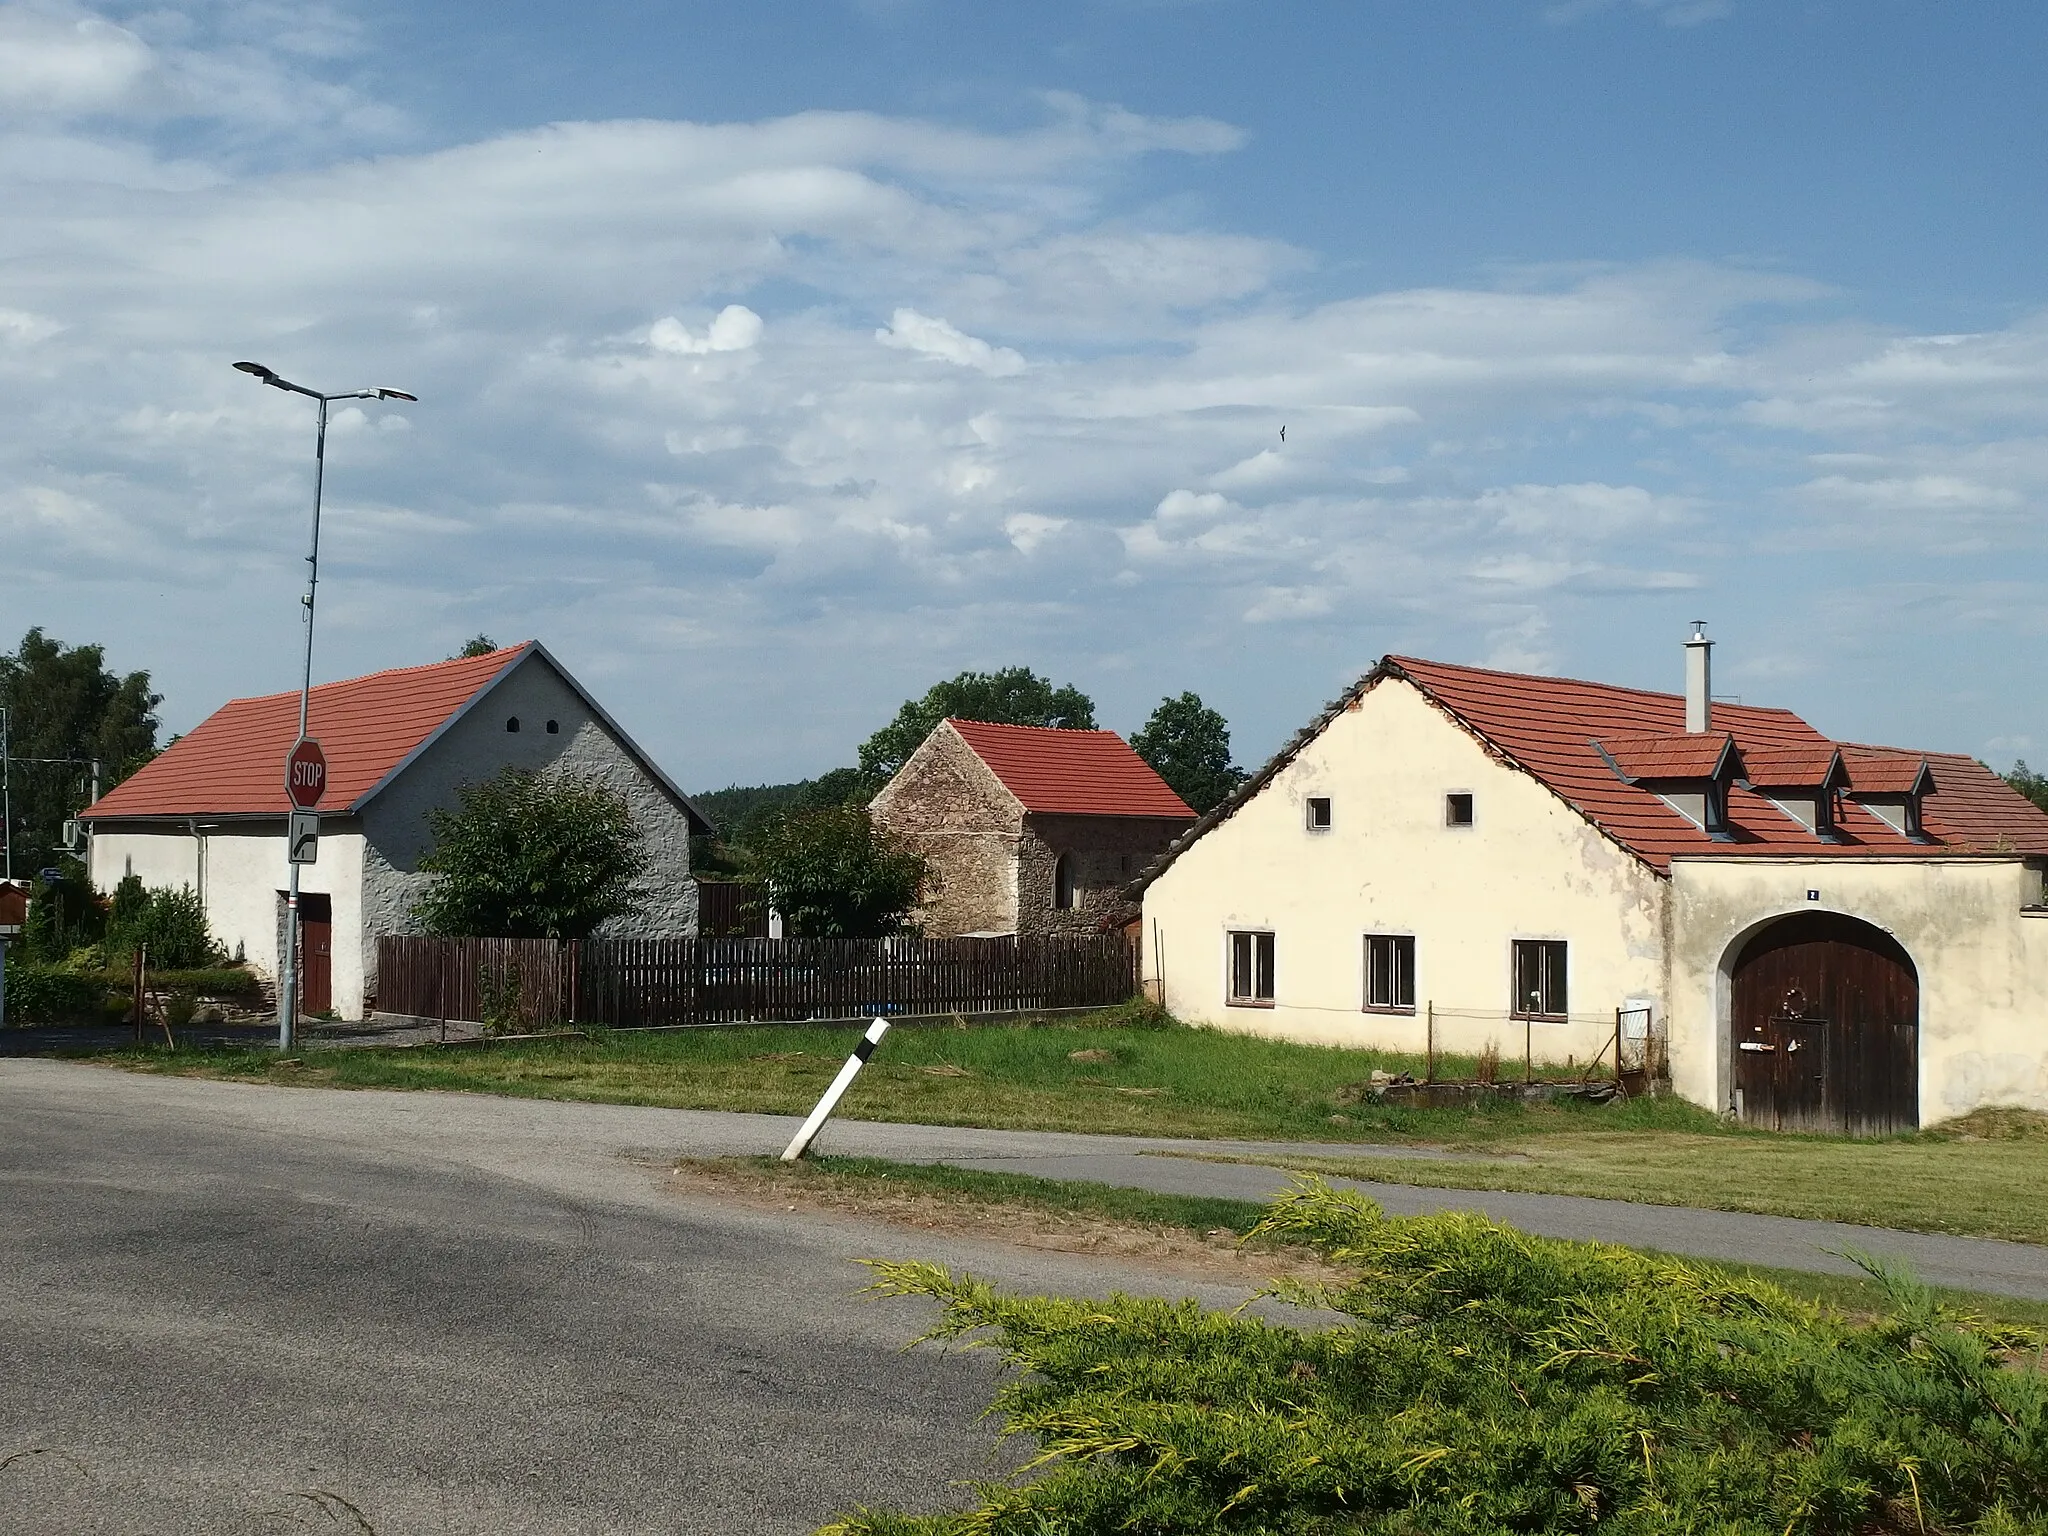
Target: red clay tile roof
{"type": "Point", "coordinates": [232, 762]}
{"type": "Point", "coordinates": [1795, 767]}
{"type": "Point", "coordinates": [1883, 770]}
{"type": "Point", "coordinates": [1547, 725]}
{"type": "Point", "coordinates": [1672, 757]}
{"type": "Point", "coordinates": [1073, 773]}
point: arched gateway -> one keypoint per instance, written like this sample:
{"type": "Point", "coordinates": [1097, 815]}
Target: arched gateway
{"type": "Point", "coordinates": [1825, 1028]}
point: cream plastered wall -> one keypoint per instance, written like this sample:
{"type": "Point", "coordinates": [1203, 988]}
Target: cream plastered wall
{"type": "Point", "coordinates": [241, 873]}
{"type": "Point", "coordinates": [1982, 962]}
{"type": "Point", "coordinates": [1529, 868]}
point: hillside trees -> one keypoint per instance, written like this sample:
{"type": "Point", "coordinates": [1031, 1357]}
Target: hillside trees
{"type": "Point", "coordinates": [1011, 696]}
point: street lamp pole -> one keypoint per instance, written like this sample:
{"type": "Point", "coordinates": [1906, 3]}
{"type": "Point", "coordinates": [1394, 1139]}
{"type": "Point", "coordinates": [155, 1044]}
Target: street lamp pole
{"type": "Point", "coordinates": [288, 981]}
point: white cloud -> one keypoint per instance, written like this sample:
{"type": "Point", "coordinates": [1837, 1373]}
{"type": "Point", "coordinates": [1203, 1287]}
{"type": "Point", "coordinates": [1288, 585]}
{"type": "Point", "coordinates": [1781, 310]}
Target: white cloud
{"type": "Point", "coordinates": [58, 60]}
{"type": "Point", "coordinates": [734, 329]}
{"type": "Point", "coordinates": [910, 331]}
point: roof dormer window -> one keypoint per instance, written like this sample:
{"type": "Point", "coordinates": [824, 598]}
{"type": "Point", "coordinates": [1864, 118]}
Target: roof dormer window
{"type": "Point", "coordinates": [1689, 773]}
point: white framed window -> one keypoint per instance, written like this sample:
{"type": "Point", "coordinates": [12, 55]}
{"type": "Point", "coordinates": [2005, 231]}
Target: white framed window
{"type": "Point", "coordinates": [1251, 969]}
{"type": "Point", "coordinates": [1539, 979]}
{"type": "Point", "coordinates": [1458, 808]}
{"type": "Point", "coordinates": [1389, 973]}
{"type": "Point", "coordinates": [1319, 813]}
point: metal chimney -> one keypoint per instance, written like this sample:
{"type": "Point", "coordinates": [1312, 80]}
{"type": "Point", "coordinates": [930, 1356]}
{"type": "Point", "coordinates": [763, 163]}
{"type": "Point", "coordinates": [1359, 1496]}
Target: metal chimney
{"type": "Point", "coordinates": [1699, 680]}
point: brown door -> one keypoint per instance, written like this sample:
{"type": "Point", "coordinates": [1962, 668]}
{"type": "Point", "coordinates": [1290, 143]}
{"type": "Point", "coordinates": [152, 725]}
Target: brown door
{"type": "Point", "coordinates": [316, 954]}
{"type": "Point", "coordinates": [1826, 1028]}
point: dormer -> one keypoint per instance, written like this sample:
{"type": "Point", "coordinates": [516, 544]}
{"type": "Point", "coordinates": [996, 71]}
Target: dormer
{"type": "Point", "coordinates": [1689, 773]}
{"type": "Point", "coordinates": [1891, 786]}
{"type": "Point", "coordinates": [1805, 783]}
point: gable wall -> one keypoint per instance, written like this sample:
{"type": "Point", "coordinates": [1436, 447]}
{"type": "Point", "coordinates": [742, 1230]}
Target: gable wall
{"type": "Point", "coordinates": [946, 804]}
{"type": "Point", "coordinates": [476, 748]}
{"type": "Point", "coordinates": [1530, 867]}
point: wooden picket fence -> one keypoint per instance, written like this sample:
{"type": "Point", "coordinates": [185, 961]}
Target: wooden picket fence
{"type": "Point", "coordinates": [529, 985]}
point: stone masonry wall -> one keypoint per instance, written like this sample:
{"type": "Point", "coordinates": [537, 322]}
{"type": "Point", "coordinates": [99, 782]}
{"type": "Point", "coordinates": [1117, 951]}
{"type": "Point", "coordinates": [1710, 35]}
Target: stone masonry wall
{"type": "Point", "coordinates": [478, 747]}
{"type": "Point", "coordinates": [945, 804]}
{"type": "Point", "coordinates": [1103, 853]}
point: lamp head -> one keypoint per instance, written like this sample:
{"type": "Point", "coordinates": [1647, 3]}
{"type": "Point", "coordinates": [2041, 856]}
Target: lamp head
{"type": "Point", "coordinates": [261, 372]}
{"type": "Point", "coordinates": [396, 394]}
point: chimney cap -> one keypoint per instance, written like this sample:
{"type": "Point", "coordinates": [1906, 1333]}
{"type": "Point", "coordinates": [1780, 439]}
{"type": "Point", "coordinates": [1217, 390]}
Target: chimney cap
{"type": "Point", "coordinates": [1699, 633]}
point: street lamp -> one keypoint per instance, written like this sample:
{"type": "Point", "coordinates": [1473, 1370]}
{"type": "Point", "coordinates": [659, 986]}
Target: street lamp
{"type": "Point", "coordinates": [288, 987]}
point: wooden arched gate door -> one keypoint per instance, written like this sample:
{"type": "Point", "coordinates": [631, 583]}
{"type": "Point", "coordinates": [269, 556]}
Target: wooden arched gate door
{"type": "Point", "coordinates": [1826, 1028]}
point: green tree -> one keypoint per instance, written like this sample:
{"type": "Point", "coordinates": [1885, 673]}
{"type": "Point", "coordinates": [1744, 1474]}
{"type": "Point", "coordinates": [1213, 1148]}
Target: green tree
{"type": "Point", "coordinates": [531, 855]}
{"type": "Point", "coordinates": [62, 702]}
{"type": "Point", "coordinates": [2033, 785]}
{"type": "Point", "coordinates": [480, 645]}
{"type": "Point", "coordinates": [169, 923]}
{"type": "Point", "coordinates": [1188, 745]}
{"type": "Point", "coordinates": [1013, 696]}
{"type": "Point", "coordinates": [833, 876]}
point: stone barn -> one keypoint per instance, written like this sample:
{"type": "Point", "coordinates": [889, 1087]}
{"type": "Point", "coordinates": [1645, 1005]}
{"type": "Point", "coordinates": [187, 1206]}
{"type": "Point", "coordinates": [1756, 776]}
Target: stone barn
{"type": "Point", "coordinates": [1028, 830]}
{"type": "Point", "coordinates": [210, 811]}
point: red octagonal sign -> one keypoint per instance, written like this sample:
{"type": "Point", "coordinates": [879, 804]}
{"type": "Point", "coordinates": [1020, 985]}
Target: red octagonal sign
{"type": "Point", "coordinates": [305, 773]}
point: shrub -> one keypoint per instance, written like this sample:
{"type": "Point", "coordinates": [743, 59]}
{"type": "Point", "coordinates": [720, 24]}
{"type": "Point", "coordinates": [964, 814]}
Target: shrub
{"type": "Point", "coordinates": [63, 915]}
{"type": "Point", "coordinates": [46, 994]}
{"type": "Point", "coordinates": [1494, 1382]}
{"type": "Point", "coordinates": [170, 924]}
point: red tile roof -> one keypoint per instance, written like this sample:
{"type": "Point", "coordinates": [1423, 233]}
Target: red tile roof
{"type": "Point", "coordinates": [1547, 726]}
{"type": "Point", "coordinates": [232, 762]}
{"type": "Point", "coordinates": [1795, 767]}
{"type": "Point", "coordinates": [1073, 773]}
{"type": "Point", "coordinates": [1672, 757]}
{"type": "Point", "coordinates": [1882, 770]}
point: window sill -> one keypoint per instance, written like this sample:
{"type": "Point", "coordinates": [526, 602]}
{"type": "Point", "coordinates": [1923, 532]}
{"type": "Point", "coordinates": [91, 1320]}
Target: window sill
{"type": "Point", "coordinates": [1541, 1018]}
{"type": "Point", "coordinates": [1407, 1010]}
{"type": "Point", "coordinates": [1247, 1002]}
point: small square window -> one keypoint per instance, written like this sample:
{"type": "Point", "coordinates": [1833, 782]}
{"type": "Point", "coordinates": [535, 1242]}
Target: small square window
{"type": "Point", "coordinates": [1458, 809]}
{"type": "Point", "coordinates": [1319, 813]}
{"type": "Point", "coordinates": [1251, 970]}
{"type": "Point", "coordinates": [1539, 979]}
{"type": "Point", "coordinates": [1390, 972]}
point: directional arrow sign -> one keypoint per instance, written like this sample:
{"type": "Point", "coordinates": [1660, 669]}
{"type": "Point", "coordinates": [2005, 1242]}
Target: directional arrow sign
{"type": "Point", "coordinates": [305, 774]}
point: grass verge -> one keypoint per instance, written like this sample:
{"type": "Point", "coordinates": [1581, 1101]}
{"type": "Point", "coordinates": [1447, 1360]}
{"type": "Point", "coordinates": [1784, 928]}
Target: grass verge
{"type": "Point", "coordinates": [1954, 1179]}
{"type": "Point", "coordinates": [1121, 1071]}
{"type": "Point", "coordinates": [970, 1198]}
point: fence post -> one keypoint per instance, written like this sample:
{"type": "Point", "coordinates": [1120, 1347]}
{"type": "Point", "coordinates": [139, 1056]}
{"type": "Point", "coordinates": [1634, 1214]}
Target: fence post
{"type": "Point", "coordinates": [1429, 1041]}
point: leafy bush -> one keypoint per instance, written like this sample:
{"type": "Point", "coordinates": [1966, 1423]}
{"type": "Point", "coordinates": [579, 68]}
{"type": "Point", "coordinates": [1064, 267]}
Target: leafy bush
{"type": "Point", "coordinates": [203, 981]}
{"type": "Point", "coordinates": [532, 855]}
{"type": "Point", "coordinates": [832, 875]}
{"type": "Point", "coordinates": [45, 994]}
{"type": "Point", "coordinates": [170, 924]}
{"type": "Point", "coordinates": [63, 915]}
{"type": "Point", "coordinates": [1492, 1383]}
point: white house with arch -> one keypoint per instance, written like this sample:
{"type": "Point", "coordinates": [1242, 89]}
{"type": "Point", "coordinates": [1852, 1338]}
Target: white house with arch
{"type": "Point", "coordinates": [1830, 935]}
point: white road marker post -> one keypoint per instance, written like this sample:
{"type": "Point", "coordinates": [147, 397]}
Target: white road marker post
{"type": "Point", "coordinates": [801, 1142]}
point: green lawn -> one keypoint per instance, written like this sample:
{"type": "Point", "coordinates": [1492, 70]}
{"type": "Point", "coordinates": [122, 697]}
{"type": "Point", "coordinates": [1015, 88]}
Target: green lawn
{"type": "Point", "coordinates": [1954, 1179]}
{"type": "Point", "coordinates": [1135, 1075]}
{"type": "Point", "coordinates": [966, 1188]}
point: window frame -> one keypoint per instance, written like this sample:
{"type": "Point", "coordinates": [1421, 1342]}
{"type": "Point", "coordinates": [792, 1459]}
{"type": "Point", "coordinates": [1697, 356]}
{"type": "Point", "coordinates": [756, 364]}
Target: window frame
{"type": "Point", "coordinates": [1554, 966]}
{"type": "Point", "coordinates": [1329, 810]}
{"type": "Point", "coordinates": [1066, 895]}
{"type": "Point", "coordinates": [1402, 947]}
{"type": "Point", "coordinates": [1262, 952]}
{"type": "Point", "coordinates": [1451, 796]}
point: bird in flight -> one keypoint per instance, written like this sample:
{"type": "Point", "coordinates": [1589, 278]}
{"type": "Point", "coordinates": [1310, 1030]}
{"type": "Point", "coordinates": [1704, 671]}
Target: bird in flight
{"type": "Point", "coordinates": [1283, 434]}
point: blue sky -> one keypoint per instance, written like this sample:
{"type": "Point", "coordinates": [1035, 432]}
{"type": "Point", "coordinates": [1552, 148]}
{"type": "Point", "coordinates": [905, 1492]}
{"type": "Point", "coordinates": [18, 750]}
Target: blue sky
{"type": "Point", "coordinates": [778, 360]}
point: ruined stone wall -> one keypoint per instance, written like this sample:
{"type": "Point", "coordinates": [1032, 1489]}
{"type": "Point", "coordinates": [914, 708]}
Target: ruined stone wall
{"type": "Point", "coordinates": [945, 804]}
{"type": "Point", "coordinates": [1104, 853]}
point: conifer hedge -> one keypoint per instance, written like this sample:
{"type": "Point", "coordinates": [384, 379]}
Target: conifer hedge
{"type": "Point", "coordinates": [1490, 1382]}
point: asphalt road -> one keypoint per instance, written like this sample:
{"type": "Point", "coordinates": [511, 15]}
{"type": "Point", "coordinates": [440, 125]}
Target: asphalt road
{"type": "Point", "coordinates": [229, 1308]}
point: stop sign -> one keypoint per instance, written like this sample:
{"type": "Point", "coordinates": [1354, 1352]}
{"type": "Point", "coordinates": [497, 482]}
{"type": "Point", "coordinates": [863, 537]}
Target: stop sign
{"type": "Point", "coordinates": [305, 773]}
